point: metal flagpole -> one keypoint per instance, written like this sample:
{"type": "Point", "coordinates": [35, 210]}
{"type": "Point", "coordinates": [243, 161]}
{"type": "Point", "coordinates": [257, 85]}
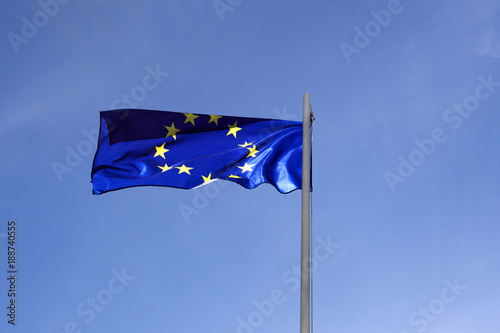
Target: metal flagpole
{"type": "Point", "coordinates": [305, 281]}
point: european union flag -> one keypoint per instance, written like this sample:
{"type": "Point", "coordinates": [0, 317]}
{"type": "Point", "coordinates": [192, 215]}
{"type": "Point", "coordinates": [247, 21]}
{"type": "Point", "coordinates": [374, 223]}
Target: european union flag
{"type": "Point", "coordinates": [186, 150]}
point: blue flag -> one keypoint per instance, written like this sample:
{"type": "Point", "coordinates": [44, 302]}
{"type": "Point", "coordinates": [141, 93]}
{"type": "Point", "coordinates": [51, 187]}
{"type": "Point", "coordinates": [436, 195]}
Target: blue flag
{"type": "Point", "coordinates": [185, 150]}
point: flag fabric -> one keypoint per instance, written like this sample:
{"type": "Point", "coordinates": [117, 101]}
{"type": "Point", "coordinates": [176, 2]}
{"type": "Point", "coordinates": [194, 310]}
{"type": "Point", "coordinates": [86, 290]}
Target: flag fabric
{"type": "Point", "coordinates": [185, 150]}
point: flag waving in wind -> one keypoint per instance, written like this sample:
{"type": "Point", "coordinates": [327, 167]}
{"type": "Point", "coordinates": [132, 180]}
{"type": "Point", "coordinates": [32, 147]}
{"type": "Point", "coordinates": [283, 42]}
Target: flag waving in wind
{"type": "Point", "coordinates": [186, 150]}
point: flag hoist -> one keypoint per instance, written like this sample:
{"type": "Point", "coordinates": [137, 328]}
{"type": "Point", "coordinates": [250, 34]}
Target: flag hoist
{"type": "Point", "coordinates": [305, 262]}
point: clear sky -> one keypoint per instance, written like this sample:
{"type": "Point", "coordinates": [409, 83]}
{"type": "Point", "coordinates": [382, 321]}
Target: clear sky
{"type": "Point", "coordinates": [406, 96]}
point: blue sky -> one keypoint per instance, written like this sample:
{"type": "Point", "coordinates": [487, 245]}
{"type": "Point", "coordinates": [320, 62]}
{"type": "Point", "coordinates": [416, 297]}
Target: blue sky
{"type": "Point", "coordinates": [405, 166]}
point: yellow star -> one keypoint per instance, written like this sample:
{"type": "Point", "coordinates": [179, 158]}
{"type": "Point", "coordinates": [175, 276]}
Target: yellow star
{"type": "Point", "coordinates": [252, 152]}
{"type": "Point", "coordinates": [160, 151]}
{"type": "Point", "coordinates": [164, 168]}
{"type": "Point", "coordinates": [190, 117]}
{"type": "Point", "coordinates": [172, 131]}
{"type": "Point", "coordinates": [246, 144]}
{"type": "Point", "coordinates": [184, 168]}
{"type": "Point", "coordinates": [246, 167]}
{"type": "Point", "coordinates": [233, 176]}
{"type": "Point", "coordinates": [207, 179]}
{"type": "Point", "coordinates": [233, 129]}
{"type": "Point", "coordinates": [214, 118]}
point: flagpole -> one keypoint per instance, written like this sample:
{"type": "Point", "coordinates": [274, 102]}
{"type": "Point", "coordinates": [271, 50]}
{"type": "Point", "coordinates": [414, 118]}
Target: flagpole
{"type": "Point", "coordinates": [305, 281]}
